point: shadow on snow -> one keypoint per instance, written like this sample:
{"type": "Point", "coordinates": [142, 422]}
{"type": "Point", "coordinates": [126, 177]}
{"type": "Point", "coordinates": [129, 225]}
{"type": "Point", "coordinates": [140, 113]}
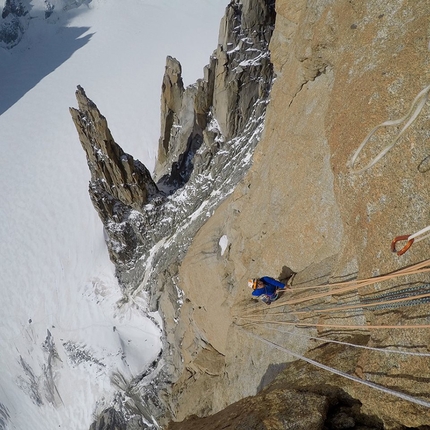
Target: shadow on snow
{"type": "Point", "coordinates": [21, 70]}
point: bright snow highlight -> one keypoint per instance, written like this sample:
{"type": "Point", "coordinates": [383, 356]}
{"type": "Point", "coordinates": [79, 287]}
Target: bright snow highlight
{"type": "Point", "coordinates": [65, 330]}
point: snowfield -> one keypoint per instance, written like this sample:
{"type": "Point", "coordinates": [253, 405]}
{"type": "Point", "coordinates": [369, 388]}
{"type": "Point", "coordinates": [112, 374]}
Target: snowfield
{"type": "Point", "coordinates": [65, 332]}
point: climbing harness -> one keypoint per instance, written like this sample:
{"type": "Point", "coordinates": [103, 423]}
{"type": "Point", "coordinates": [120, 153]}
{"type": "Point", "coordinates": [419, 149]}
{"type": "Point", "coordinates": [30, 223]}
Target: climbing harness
{"type": "Point", "coordinates": [420, 100]}
{"type": "Point", "coordinates": [267, 298]}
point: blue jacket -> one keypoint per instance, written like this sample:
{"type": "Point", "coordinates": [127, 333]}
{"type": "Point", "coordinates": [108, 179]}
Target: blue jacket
{"type": "Point", "coordinates": [270, 287]}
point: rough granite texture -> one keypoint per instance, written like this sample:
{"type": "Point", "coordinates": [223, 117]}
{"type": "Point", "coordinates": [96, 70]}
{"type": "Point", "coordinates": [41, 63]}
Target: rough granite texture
{"type": "Point", "coordinates": [341, 69]}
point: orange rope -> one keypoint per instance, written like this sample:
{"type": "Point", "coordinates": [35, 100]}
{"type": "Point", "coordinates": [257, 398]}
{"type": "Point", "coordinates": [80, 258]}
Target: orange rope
{"type": "Point", "coordinates": [364, 305]}
{"type": "Point", "coordinates": [401, 272]}
{"type": "Point", "coordinates": [355, 285]}
{"type": "Point", "coordinates": [299, 324]}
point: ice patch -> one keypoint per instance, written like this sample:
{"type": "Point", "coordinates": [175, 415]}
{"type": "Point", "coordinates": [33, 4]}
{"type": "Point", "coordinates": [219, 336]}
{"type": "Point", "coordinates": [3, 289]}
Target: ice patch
{"type": "Point", "coordinates": [223, 243]}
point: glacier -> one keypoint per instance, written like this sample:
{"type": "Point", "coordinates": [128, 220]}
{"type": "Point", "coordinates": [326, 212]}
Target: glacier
{"type": "Point", "coordinates": [67, 338]}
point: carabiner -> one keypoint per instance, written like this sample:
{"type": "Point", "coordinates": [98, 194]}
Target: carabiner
{"type": "Point", "coordinates": [398, 239]}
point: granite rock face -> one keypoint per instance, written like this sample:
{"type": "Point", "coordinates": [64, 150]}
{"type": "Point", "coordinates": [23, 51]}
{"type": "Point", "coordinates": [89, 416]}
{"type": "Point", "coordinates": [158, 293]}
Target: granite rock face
{"type": "Point", "coordinates": [341, 69]}
{"type": "Point", "coordinates": [113, 172]}
{"type": "Point", "coordinates": [218, 107]}
{"type": "Point", "coordinates": [172, 91]}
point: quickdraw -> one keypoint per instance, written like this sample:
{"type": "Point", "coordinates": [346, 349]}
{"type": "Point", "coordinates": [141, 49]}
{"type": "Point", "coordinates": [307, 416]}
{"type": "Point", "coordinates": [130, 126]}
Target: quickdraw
{"type": "Point", "coordinates": [401, 238]}
{"type": "Point", "coordinates": [410, 240]}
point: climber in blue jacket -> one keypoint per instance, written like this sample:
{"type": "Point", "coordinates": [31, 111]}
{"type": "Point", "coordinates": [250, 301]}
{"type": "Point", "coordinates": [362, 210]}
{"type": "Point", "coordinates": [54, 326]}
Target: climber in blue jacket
{"type": "Point", "coordinates": [266, 288]}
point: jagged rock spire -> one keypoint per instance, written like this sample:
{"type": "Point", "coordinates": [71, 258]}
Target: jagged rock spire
{"type": "Point", "coordinates": [115, 175]}
{"type": "Point", "coordinates": [172, 91]}
{"type": "Point", "coordinates": [218, 107]}
{"type": "Point", "coordinates": [118, 182]}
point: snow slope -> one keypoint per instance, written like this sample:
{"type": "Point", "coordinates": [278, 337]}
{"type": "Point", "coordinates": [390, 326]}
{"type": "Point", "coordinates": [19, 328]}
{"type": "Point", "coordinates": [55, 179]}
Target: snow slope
{"type": "Point", "coordinates": [63, 332]}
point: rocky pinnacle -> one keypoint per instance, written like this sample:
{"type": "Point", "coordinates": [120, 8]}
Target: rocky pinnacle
{"type": "Point", "coordinates": [113, 172]}
{"type": "Point", "coordinates": [119, 183]}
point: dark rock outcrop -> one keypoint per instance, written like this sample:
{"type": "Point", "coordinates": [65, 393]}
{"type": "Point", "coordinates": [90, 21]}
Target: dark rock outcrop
{"type": "Point", "coordinates": [325, 407]}
{"type": "Point", "coordinates": [111, 419]}
{"type": "Point", "coordinates": [14, 7]}
{"type": "Point", "coordinates": [16, 16]}
{"type": "Point", "coordinates": [4, 417]}
{"type": "Point", "coordinates": [14, 21]}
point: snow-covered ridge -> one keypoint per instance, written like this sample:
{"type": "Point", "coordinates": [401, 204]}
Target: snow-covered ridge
{"type": "Point", "coordinates": [212, 128]}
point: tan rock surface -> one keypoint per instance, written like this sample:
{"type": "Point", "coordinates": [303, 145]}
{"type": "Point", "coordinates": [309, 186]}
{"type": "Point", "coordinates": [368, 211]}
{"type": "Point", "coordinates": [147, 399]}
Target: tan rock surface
{"type": "Point", "coordinates": [342, 68]}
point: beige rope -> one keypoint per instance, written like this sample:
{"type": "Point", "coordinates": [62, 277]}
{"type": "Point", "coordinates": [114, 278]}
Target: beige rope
{"type": "Point", "coordinates": [357, 306]}
{"type": "Point", "coordinates": [364, 327]}
{"type": "Point", "coordinates": [370, 384]}
{"type": "Point", "coordinates": [352, 285]}
{"type": "Point", "coordinates": [412, 114]}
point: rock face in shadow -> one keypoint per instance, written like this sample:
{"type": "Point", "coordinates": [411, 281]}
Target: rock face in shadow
{"type": "Point", "coordinates": [323, 407]}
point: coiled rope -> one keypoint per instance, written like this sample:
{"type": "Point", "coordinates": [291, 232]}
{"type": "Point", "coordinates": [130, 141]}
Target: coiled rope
{"type": "Point", "coordinates": [378, 387]}
{"type": "Point", "coordinates": [420, 100]}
